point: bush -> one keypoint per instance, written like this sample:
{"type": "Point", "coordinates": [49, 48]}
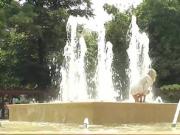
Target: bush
{"type": "Point", "coordinates": [170, 93]}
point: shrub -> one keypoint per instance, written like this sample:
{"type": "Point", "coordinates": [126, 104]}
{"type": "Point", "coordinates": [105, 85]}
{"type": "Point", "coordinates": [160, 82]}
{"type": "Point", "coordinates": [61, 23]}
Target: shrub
{"type": "Point", "coordinates": [170, 93]}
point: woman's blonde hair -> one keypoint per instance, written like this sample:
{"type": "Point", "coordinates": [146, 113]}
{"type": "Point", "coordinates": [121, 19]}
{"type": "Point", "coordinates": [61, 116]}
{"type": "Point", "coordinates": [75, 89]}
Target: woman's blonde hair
{"type": "Point", "coordinates": [152, 73]}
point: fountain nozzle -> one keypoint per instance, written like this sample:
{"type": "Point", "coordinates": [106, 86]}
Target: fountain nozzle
{"type": "Point", "coordinates": [86, 123]}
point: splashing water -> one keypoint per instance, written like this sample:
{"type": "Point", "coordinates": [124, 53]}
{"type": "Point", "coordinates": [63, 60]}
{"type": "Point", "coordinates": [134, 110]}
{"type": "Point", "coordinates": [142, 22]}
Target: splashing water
{"type": "Point", "coordinates": [158, 100]}
{"type": "Point", "coordinates": [105, 90]}
{"type": "Point", "coordinates": [73, 83]}
{"type": "Point", "coordinates": [86, 123]}
{"type": "Point", "coordinates": [103, 76]}
{"type": "Point", "coordinates": [138, 52]}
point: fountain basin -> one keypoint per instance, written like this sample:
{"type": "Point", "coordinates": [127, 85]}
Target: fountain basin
{"type": "Point", "coordinates": [98, 113]}
{"type": "Point", "coordinates": [38, 128]}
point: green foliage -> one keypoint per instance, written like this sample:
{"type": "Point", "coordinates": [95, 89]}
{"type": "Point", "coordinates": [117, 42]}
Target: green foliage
{"type": "Point", "coordinates": [91, 59]}
{"type": "Point", "coordinates": [31, 36]}
{"type": "Point", "coordinates": [9, 60]}
{"type": "Point", "coordinates": [170, 93]}
{"type": "Point", "coordinates": [161, 19]}
{"type": "Point", "coordinates": [172, 87]}
{"type": "Point", "coordinates": [116, 33]}
{"type": "Point", "coordinates": [4, 3]}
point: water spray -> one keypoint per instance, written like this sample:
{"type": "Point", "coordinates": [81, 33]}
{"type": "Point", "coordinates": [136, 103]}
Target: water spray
{"type": "Point", "coordinates": [86, 123]}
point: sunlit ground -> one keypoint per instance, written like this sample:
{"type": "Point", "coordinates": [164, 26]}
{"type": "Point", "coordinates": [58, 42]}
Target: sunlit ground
{"type": "Point", "coordinates": [56, 128]}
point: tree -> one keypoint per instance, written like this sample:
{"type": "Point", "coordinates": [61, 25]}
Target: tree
{"type": "Point", "coordinates": [31, 34]}
{"type": "Point", "coordinates": [4, 3]}
{"type": "Point", "coordinates": [91, 61]}
{"type": "Point", "coordinates": [116, 31]}
{"type": "Point", "coordinates": [161, 19]}
{"type": "Point", "coordinates": [8, 54]}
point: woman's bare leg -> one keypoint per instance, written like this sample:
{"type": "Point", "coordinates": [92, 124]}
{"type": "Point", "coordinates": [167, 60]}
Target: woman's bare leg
{"type": "Point", "coordinates": [140, 98]}
{"type": "Point", "coordinates": [136, 98]}
{"type": "Point", "coordinates": [144, 99]}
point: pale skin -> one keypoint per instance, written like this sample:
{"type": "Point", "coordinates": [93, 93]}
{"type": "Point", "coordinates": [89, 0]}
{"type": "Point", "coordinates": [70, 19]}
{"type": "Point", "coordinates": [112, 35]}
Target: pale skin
{"type": "Point", "coordinates": [141, 97]}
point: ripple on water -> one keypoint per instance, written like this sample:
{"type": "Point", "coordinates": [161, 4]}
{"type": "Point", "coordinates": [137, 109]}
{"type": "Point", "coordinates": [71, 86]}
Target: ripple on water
{"type": "Point", "coordinates": [37, 127]}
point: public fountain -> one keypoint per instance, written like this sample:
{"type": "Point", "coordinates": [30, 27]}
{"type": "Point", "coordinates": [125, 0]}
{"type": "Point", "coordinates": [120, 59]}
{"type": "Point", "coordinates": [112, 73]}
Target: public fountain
{"type": "Point", "coordinates": [73, 84]}
{"type": "Point", "coordinates": [97, 115]}
{"type": "Point", "coordinates": [138, 52]}
{"type": "Point", "coordinates": [105, 90]}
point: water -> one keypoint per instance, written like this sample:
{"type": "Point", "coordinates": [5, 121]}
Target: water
{"type": "Point", "coordinates": [73, 84]}
{"type": "Point", "coordinates": [104, 88]}
{"type": "Point", "coordinates": [56, 128]}
{"type": "Point", "coordinates": [86, 123]}
{"type": "Point", "coordinates": [138, 52]}
{"type": "Point", "coordinates": [158, 100]}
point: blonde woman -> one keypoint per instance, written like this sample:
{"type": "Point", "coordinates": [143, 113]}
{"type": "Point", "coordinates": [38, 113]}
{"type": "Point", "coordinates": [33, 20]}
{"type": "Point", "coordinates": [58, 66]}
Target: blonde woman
{"type": "Point", "coordinates": [143, 87]}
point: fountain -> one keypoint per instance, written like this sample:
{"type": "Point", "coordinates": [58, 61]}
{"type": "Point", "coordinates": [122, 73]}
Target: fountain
{"type": "Point", "coordinates": [86, 123]}
{"type": "Point", "coordinates": [105, 90]}
{"type": "Point", "coordinates": [73, 84]}
{"type": "Point", "coordinates": [103, 110]}
{"type": "Point", "coordinates": [100, 113]}
{"type": "Point", "coordinates": [138, 52]}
